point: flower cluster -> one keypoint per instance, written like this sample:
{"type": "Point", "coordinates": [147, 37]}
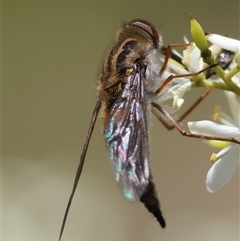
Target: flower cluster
{"type": "Point", "coordinates": [224, 58]}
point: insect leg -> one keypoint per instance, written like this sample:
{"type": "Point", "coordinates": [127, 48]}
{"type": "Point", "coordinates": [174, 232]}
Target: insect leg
{"type": "Point", "coordinates": [170, 126]}
{"type": "Point", "coordinates": [171, 77]}
{"type": "Point", "coordinates": [187, 134]}
{"type": "Point", "coordinates": [168, 53]}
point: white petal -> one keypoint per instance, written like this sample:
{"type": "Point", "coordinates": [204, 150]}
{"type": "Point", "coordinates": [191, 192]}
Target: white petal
{"type": "Point", "coordinates": [213, 129]}
{"type": "Point", "coordinates": [177, 53]}
{"type": "Point", "coordinates": [177, 102]}
{"type": "Point", "coordinates": [182, 89]}
{"type": "Point", "coordinates": [238, 54]}
{"type": "Point", "coordinates": [234, 105]}
{"type": "Point", "coordinates": [170, 92]}
{"type": "Point", "coordinates": [223, 152]}
{"type": "Point", "coordinates": [226, 119]}
{"type": "Point", "coordinates": [178, 69]}
{"type": "Point", "coordinates": [216, 49]}
{"type": "Point", "coordinates": [191, 58]}
{"type": "Point", "coordinates": [222, 171]}
{"type": "Point", "coordinates": [224, 42]}
{"type": "Point", "coordinates": [179, 93]}
{"type": "Point", "coordinates": [236, 79]}
{"type": "Point", "coordinates": [185, 39]}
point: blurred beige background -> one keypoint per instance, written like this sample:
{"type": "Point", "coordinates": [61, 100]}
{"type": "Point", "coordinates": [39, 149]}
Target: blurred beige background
{"type": "Point", "coordinates": [52, 53]}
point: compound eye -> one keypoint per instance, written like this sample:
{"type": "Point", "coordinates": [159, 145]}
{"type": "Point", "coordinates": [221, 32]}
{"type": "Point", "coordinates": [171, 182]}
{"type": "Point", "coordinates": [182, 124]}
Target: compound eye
{"type": "Point", "coordinates": [150, 29]}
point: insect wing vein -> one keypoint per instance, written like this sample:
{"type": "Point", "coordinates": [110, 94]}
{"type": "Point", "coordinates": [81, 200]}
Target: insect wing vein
{"type": "Point", "coordinates": [127, 138]}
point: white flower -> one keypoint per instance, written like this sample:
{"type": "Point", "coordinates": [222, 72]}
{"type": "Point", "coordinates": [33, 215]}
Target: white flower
{"type": "Point", "coordinates": [227, 160]}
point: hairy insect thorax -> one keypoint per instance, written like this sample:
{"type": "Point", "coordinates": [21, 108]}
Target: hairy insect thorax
{"type": "Point", "coordinates": [133, 44]}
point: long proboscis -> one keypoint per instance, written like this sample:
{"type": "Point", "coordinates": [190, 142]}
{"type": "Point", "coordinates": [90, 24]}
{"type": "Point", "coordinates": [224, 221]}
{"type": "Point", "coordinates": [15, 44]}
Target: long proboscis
{"type": "Point", "coordinates": [81, 163]}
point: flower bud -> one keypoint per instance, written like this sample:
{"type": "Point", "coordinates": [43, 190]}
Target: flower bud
{"type": "Point", "coordinates": [198, 35]}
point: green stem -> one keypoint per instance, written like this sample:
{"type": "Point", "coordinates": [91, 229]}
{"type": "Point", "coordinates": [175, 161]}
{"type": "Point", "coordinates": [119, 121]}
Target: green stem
{"type": "Point", "coordinates": [226, 77]}
{"type": "Point", "coordinates": [212, 85]}
{"type": "Point", "coordinates": [234, 70]}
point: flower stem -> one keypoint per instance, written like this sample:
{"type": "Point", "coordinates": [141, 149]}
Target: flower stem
{"type": "Point", "coordinates": [226, 77]}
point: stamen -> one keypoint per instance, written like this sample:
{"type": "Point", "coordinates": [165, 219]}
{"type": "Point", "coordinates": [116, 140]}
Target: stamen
{"type": "Point", "coordinates": [213, 158]}
{"type": "Point", "coordinates": [217, 114]}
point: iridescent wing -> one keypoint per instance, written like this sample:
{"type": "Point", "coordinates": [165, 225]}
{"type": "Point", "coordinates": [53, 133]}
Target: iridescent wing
{"type": "Point", "coordinates": [126, 137]}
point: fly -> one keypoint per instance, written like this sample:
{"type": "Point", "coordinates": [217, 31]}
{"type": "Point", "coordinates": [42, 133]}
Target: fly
{"type": "Point", "coordinates": [133, 77]}
{"type": "Point", "coordinates": [130, 76]}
